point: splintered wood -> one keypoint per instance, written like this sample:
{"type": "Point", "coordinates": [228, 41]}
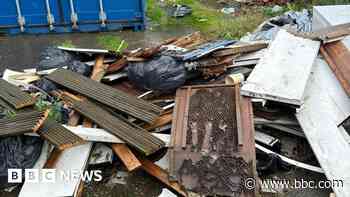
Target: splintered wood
{"type": "Point", "coordinates": [212, 144]}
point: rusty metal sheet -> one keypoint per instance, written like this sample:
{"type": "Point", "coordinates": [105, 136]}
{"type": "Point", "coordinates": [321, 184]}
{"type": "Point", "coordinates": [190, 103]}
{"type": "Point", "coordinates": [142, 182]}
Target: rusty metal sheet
{"type": "Point", "coordinates": [212, 146]}
{"type": "Point", "coordinates": [337, 56]}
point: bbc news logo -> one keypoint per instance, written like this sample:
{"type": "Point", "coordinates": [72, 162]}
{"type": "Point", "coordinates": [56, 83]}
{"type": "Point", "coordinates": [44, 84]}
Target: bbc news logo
{"type": "Point", "coordinates": [51, 175]}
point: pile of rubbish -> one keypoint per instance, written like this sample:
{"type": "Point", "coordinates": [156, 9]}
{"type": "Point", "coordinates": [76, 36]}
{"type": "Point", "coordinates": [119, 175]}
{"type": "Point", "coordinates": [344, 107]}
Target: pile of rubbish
{"type": "Point", "coordinates": [220, 110]}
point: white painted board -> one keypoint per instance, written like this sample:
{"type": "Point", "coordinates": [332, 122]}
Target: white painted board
{"type": "Point", "coordinates": [326, 16]}
{"type": "Point", "coordinates": [71, 159]}
{"type": "Point", "coordinates": [318, 118]}
{"type": "Point", "coordinates": [282, 74]}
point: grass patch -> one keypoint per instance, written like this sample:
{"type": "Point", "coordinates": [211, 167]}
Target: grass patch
{"type": "Point", "coordinates": [112, 43]}
{"type": "Point", "coordinates": [210, 21]}
{"type": "Point", "coordinates": [67, 43]}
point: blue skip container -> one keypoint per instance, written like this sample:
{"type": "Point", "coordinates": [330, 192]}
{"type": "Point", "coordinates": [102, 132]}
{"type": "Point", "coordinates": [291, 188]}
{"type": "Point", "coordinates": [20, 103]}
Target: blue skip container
{"type": "Point", "coordinates": [59, 16]}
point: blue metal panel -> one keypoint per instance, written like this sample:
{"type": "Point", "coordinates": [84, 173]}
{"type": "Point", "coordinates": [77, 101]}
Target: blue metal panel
{"type": "Point", "coordinates": [8, 13]}
{"type": "Point", "coordinates": [90, 15]}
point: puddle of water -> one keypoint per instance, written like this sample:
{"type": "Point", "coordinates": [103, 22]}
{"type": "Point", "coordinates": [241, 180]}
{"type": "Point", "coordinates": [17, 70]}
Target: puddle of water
{"type": "Point", "coordinates": [23, 51]}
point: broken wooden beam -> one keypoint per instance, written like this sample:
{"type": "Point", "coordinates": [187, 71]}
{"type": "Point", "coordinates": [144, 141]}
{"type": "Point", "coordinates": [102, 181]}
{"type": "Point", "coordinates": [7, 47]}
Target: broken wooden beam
{"type": "Point", "coordinates": [126, 156]}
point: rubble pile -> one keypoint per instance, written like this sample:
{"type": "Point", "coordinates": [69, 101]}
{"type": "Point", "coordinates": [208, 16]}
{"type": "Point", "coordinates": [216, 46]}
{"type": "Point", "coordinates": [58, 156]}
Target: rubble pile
{"type": "Point", "coordinates": [221, 110]}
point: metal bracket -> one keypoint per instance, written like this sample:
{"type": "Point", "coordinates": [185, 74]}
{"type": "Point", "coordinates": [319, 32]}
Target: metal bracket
{"type": "Point", "coordinates": [50, 17]}
{"type": "Point", "coordinates": [103, 16]}
{"type": "Point", "coordinates": [74, 16]}
{"type": "Point", "coordinates": [20, 19]}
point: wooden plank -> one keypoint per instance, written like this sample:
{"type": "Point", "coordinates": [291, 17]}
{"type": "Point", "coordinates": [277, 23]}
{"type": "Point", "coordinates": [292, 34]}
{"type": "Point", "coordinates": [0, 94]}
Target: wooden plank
{"type": "Point", "coordinates": [106, 95]}
{"type": "Point", "coordinates": [319, 120]}
{"type": "Point", "coordinates": [282, 74]}
{"type": "Point", "coordinates": [337, 56]}
{"type": "Point", "coordinates": [240, 48]}
{"type": "Point", "coordinates": [159, 122]}
{"type": "Point", "coordinates": [126, 156]}
{"type": "Point", "coordinates": [14, 96]}
{"type": "Point", "coordinates": [162, 176]}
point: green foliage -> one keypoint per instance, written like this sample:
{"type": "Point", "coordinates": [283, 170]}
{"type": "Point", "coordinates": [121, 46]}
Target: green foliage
{"type": "Point", "coordinates": [10, 113]}
{"type": "Point", "coordinates": [112, 43]}
{"type": "Point", "coordinates": [210, 21]}
{"type": "Point", "coordinates": [55, 108]}
{"type": "Point", "coordinates": [67, 43]}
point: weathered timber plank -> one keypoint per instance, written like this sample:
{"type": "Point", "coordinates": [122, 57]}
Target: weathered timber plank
{"type": "Point", "coordinates": [107, 95]}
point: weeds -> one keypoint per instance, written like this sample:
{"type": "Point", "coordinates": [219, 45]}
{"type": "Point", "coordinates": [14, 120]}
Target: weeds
{"type": "Point", "coordinates": [54, 107]}
{"type": "Point", "coordinates": [112, 43]}
{"type": "Point", "coordinates": [210, 21]}
{"type": "Point", "coordinates": [67, 43]}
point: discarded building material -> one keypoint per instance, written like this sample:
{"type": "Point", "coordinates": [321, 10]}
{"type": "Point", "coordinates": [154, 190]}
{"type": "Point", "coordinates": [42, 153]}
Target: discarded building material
{"type": "Point", "coordinates": [266, 139]}
{"type": "Point", "coordinates": [101, 154]}
{"type": "Point", "coordinates": [286, 130]}
{"type": "Point", "coordinates": [337, 56]}
{"type": "Point", "coordinates": [15, 96]}
{"type": "Point", "coordinates": [162, 176]}
{"type": "Point", "coordinates": [239, 48]}
{"type": "Point", "coordinates": [327, 34]}
{"type": "Point", "coordinates": [58, 135]}
{"type": "Point", "coordinates": [128, 132]}
{"type": "Point", "coordinates": [19, 78]}
{"type": "Point", "coordinates": [106, 95]}
{"type": "Point", "coordinates": [80, 50]}
{"type": "Point", "coordinates": [161, 121]}
{"type": "Point", "coordinates": [101, 135]}
{"type": "Point", "coordinates": [286, 122]}
{"type": "Point", "coordinates": [221, 127]}
{"type": "Point", "coordinates": [291, 161]}
{"type": "Point", "coordinates": [74, 158]}
{"type": "Point", "coordinates": [282, 74]}
{"type": "Point", "coordinates": [319, 118]}
{"type": "Point", "coordinates": [205, 49]}
{"type": "Point", "coordinates": [22, 123]}
{"type": "Point", "coordinates": [126, 156]}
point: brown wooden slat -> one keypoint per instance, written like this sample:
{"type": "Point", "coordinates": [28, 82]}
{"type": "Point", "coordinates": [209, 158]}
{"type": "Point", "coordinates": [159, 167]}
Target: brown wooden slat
{"type": "Point", "coordinates": [106, 95]}
{"type": "Point", "coordinates": [128, 132]}
{"type": "Point", "coordinates": [126, 156]}
{"type": "Point", "coordinates": [58, 135]}
{"type": "Point", "coordinates": [337, 56]}
{"type": "Point", "coordinates": [14, 95]}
